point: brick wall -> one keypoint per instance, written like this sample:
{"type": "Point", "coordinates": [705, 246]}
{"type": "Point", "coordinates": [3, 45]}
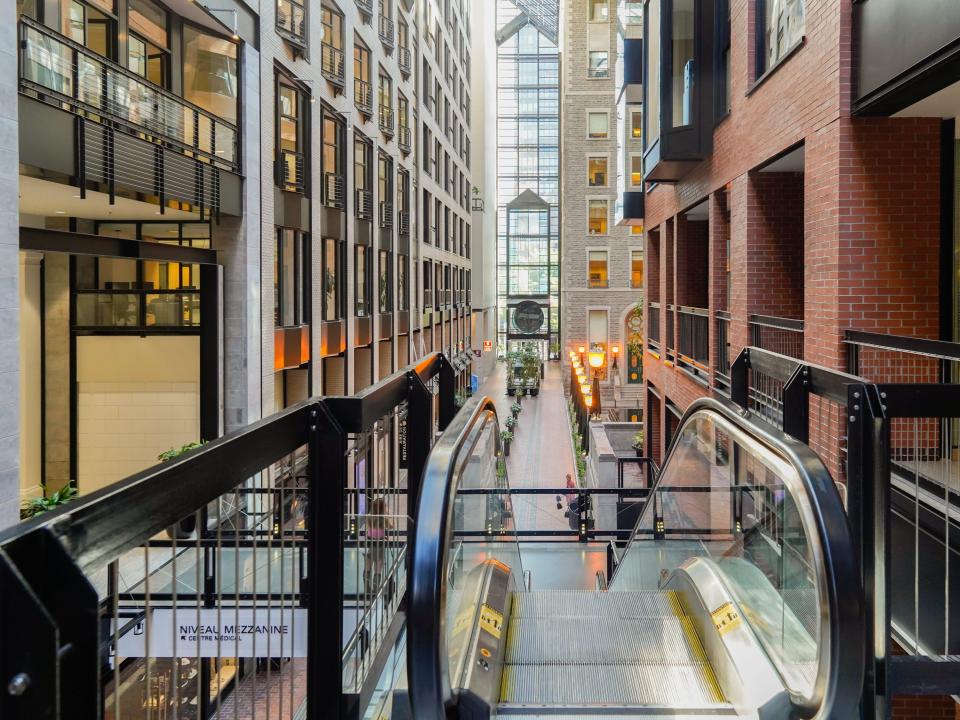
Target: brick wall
{"type": "Point", "coordinates": [775, 244]}
{"type": "Point", "coordinates": [692, 262]}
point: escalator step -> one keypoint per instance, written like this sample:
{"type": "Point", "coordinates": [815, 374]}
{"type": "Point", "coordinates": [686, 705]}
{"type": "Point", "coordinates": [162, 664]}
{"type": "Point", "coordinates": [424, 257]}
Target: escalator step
{"type": "Point", "coordinates": [603, 641]}
{"type": "Point", "coordinates": [584, 603]}
{"type": "Point", "coordinates": [678, 687]}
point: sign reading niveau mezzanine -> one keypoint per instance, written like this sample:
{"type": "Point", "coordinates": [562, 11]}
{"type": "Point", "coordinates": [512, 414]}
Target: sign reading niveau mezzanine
{"type": "Point", "coordinates": [278, 632]}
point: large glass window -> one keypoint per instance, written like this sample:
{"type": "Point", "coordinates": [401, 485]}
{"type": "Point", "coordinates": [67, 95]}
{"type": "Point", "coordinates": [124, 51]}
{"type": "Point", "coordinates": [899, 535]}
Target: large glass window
{"type": "Point", "coordinates": [597, 268]}
{"type": "Point", "coordinates": [288, 278]}
{"type": "Point", "coordinates": [682, 71]}
{"type": "Point", "coordinates": [597, 171]}
{"type": "Point", "coordinates": [782, 28]}
{"type": "Point", "coordinates": [147, 42]}
{"type": "Point", "coordinates": [210, 73]}
{"type": "Point", "coordinates": [636, 268]}
{"type": "Point", "coordinates": [598, 211]}
{"type": "Point", "coordinates": [598, 125]}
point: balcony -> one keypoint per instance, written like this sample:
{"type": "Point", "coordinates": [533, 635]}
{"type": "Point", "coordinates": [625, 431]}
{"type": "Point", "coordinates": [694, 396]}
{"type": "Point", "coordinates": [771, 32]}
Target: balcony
{"type": "Point", "coordinates": [386, 214]}
{"type": "Point", "coordinates": [404, 139]}
{"type": "Point", "coordinates": [59, 72]}
{"type": "Point", "coordinates": [693, 351]}
{"type": "Point", "coordinates": [365, 6]}
{"type": "Point", "coordinates": [721, 373]}
{"type": "Point", "coordinates": [333, 190]}
{"type": "Point", "coordinates": [403, 223]}
{"type": "Point", "coordinates": [363, 96]}
{"type": "Point", "coordinates": [291, 171]}
{"type": "Point", "coordinates": [331, 64]}
{"type": "Point", "coordinates": [387, 32]}
{"type": "Point", "coordinates": [403, 60]}
{"type": "Point", "coordinates": [776, 334]}
{"type": "Point", "coordinates": [653, 326]}
{"type": "Point", "coordinates": [386, 119]}
{"type": "Point", "coordinates": [668, 321]}
{"type": "Point", "coordinates": [364, 204]}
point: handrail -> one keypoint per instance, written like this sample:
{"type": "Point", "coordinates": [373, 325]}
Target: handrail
{"type": "Point", "coordinates": [780, 323]}
{"type": "Point", "coordinates": [941, 349]}
{"type": "Point", "coordinates": [427, 660]}
{"type": "Point", "coordinates": [836, 691]}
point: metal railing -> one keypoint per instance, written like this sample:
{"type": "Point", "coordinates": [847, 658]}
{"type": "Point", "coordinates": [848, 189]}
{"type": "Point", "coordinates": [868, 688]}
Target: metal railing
{"type": "Point", "coordinates": [386, 214]}
{"type": "Point", "coordinates": [653, 326]}
{"type": "Point", "coordinates": [403, 222]}
{"type": "Point", "coordinates": [403, 60]}
{"type": "Point", "coordinates": [291, 171]}
{"type": "Point", "coordinates": [365, 6]}
{"type": "Point", "coordinates": [57, 70]}
{"type": "Point", "coordinates": [721, 373]}
{"type": "Point", "coordinates": [671, 347]}
{"type": "Point", "coordinates": [776, 334]}
{"type": "Point", "coordinates": [244, 576]}
{"type": "Point", "coordinates": [694, 346]}
{"type": "Point", "coordinates": [332, 64]}
{"type": "Point", "coordinates": [476, 204]}
{"type": "Point", "coordinates": [363, 204]}
{"type": "Point", "coordinates": [386, 119]}
{"type": "Point", "coordinates": [363, 96]}
{"type": "Point", "coordinates": [386, 27]}
{"type": "Point", "coordinates": [333, 190]}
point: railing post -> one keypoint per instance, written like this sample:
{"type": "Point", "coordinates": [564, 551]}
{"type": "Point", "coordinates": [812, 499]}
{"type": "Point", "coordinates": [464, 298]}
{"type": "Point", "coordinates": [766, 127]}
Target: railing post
{"type": "Point", "coordinates": [739, 382]}
{"type": "Point", "coordinates": [326, 493]}
{"type": "Point", "coordinates": [419, 437]}
{"type": "Point", "coordinates": [796, 404]}
{"type": "Point", "coordinates": [448, 382]}
{"type": "Point", "coordinates": [868, 508]}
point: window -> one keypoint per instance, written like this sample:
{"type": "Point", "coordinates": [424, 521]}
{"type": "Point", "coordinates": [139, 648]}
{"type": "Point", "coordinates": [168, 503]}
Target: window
{"type": "Point", "coordinates": [289, 155]}
{"type": "Point", "coordinates": [427, 276]}
{"type": "Point", "coordinates": [288, 278]}
{"type": "Point", "coordinates": [599, 10]}
{"type": "Point", "coordinates": [636, 124]}
{"type": "Point", "coordinates": [403, 263]}
{"type": "Point", "coordinates": [722, 83]}
{"type": "Point", "coordinates": [597, 217]}
{"type": "Point", "coordinates": [332, 162]}
{"type": "Point", "coordinates": [361, 177]}
{"type": "Point", "coordinates": [633, 12]}
{"type": "Point", "coordinates": [598, 63]}
{"type": "Point", "coordinates": [681, 80]}
{"type": "Point", "coordinates": [291, 20]}
{"type": "Point", "coordinates": [598, 125]}
{"type": "Point", "coordinates": [636, 170]}
{"type": "Point", "coordinates": [89, 27]}
{"type": "Point", "coordinates": [781, 29]}
{"type": "Point", "coordinates": [636, 268]}
{"type": "Point", "coordinates": [597, 268]}
{"type": "Point", "coordinates": [651, 78]}
{"type": "Point", "coordinates": [331, 45]}
{"type": "Point", "coordinates": [147, 42]}
{"type": "Point", "coordinates": [385, 101]}
{"type": "Point", "coordinates": [385, 189]}
{"type": "Point", "coordinates": [384, 291]}
{"type": "Point", "coordinates": [210, 73]}
{"type": "Point", "coordinates": [362, 95]}
{"type": "Point", "coordinates": [361, 271]}
{"type": "Point", "coordinates": [597, 171]}
{"type": "Point", "coordinates": [332, 292]}
{"type": "Point", "coordinates": [597, 329]}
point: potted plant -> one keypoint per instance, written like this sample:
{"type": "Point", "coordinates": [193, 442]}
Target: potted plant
{"type": "Point", "coordinates": [506, 437]}
{"type": "Point", "coordinates": [40, 505]}
{"type": "Point", "coordinates": [187, 525]}
{"type": "Point", "coordinates": [637, 444]}
{"type": "Point", "coordinates": [520, 394]}
{"type": "Point", "coordinates": [516, 408]}
{"type": "Point", "coordinates": [511, 422]}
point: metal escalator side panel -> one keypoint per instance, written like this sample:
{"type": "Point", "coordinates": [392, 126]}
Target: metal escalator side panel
{"type": "Point", "coordinates": [733, 487]}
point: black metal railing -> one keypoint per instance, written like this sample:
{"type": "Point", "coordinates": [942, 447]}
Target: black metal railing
{"type": "Point", "coordinates": [296, 524]}
{"type": "Point", "coordinates": [333, 190]}
{"type": "Point", "coordinates": [386, 214]}
{"type": "Point", "coordinates": [653, 326]}
{"type": "Point", "coordinates": [331, 64]}
{"type": "Point", "coordinates": [363, 96]}
{"type": "Point", "coordinates": [363, 204]}
{"type": "Point", "coordinates": [776, 334]}
{"type": "Point", "coordinates": [403, 138]}
{"type": "Point", "coordinates": [291, 171]}
{"type": "Point", "coordinates": [365, 6]}
{"type": "Point", "coordinates": [694, 346]}
{"type": "Point", "coordinates": [386, 31]}
{"type": "Point", "coordinates": [403, 222]}
{"type": "Point", "coordinates": [403, 60]}
{"type": "Point", "coordinates": [476, 204]}
{"type": "Point", "coordinates": [59, 71]}
{"type": "Point", "coordinates": [386, 119]}
{"type": "Point", "coordinates": [721, 372]}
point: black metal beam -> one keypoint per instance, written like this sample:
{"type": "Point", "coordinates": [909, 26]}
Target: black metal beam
{"type": "Point", "coordinates": [926, 400]}
{"type": "Point", "coordinates": [920, 346]}
{"type": "Point", "coordinates": [85, 244]}
{"type": "Point", "coordinates": [912, 675]}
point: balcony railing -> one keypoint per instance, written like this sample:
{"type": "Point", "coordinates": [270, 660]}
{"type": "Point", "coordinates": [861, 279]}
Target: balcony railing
{"type": "Point", "coordinates": [386, 31]}
{"type": "Point", "coordinates": [476, 204]}
{"type": "Point", "coordinates": [364, 204]}
{"type": "Point", "coordinates": [776, 334]}
{"type": "Point", "coordinates": [403, 138]}
{"type": "Point", "coordinates": [668, 321]}
{"type": "Point", "coordinates": [694, 345]}
{"type": "Point", "coordinates": [403, 222]}
{"type": "Point", "coordinates": [59, 71]}
{"type": "Point", "coordinates": [333, 190]}
{"type": "Point", "coordinates": [386, 214]}
{"type": "Point", "coordinates": [403, 60]}
{"type": "Point", "coordinates": [365, 6]}
{"type": "Point", "coordinates": [653, 326]}
{"type": "Point", "coordinates": [331, 64]}
{"type": "Point", "coordinates": [721, 373]}
{"type": "Point", "coordinates": [386, 119]}
{"type": "Point", "coordinates": [291, 171]}
{"type": "Point", "coordinates": [363, 96]}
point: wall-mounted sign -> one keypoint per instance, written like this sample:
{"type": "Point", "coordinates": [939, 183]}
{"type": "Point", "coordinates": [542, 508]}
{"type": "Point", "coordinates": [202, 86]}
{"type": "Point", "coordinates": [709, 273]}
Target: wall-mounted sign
{"type": "Point", "coordinates": [277, 632]}
{"type": "Point", "coordinates": [402, 441]}
{"type": "Point", "coordinates": [487, 345]}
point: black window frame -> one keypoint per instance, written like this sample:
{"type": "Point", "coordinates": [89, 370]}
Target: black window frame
{"type": "Point", "coordinates": [339, 258]}
{"type": "Point", "coordinates": [722, 95]}
{"type": "Point", "coordinates": [300, 40]}
{"type": "Point", "coordinates": [301, 278]}
{"type": "Point", "coordinates": [362, 305]}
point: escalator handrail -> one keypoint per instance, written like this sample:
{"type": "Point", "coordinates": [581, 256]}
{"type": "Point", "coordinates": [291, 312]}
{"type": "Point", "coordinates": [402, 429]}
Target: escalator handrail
{"type": "Point", "coordinates": [837, 689]}
{"type": "Point", "coordinates": [428, 671]}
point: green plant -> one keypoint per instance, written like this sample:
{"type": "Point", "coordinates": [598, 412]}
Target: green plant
{"type": "Point", "coordinates": [174, 452]}
{"type": "Point", "coordinates": [637, 443]}
{"type": "Point", "coordinates": [510, 422]}
{"type": "Point", "coordinates": [501, 468]}
{"type": "Point", "coordinates": [506, 437]}
{"type": "Point", "coordinates": [37, 506]}
{"type": "Point", "coordinates": [516, 408]}
{"type": "Point", "coordinates": [476, 190]}
{"type": "Point", "coordinates": [459, 399]}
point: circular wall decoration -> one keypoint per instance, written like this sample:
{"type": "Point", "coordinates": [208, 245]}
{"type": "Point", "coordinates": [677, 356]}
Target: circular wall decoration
{"type": "Point", "coordinates": [528, 317]}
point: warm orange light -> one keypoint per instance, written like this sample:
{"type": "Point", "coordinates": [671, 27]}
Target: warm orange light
{"type": "Point", "coordinates": [585, 389]}
{"type": "Point", "coordinates": [588, 400]}
{"type": "Point", "coordinates": [615, 349]}
{"type": "Point", "coordinates": [581, 349]}
{"type": "Point", "coordinates": [596, 358]}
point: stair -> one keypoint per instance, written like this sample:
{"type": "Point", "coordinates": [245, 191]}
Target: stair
{"type": "Point", "coordinates": [584, 653]}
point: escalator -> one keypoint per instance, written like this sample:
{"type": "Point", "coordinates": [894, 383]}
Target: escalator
{"type": "Point", "coordinates": [737, 594]}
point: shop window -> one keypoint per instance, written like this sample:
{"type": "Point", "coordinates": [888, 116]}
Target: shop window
{"type": "Point", "coordinates": [780, 26]}
{"type": "Point", "coordinates": [292, 20]}
{"type": "Point", "coordinates": [289, 268]}
{"type": "Point", "coordinates": [598, 124]}
{"type": "Point", "coordinates": [361, 269]}
{"type": "Point", "coordinates": [332, 292]}
{"type": "Point", "coordinates": [597, 67]}
{"type": "Point", "coordinates": [597, 171]}
{"type": "Point", "coordinates": [210, 73]}
{"type": "Point", "coordinates": [597, 268]}
{"type": "Point", "coordinates": [597, 216]}
{"type": "Point", "coordinates": [599, 10]}
{"type": "Point", "coordinates": [636, 268]}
